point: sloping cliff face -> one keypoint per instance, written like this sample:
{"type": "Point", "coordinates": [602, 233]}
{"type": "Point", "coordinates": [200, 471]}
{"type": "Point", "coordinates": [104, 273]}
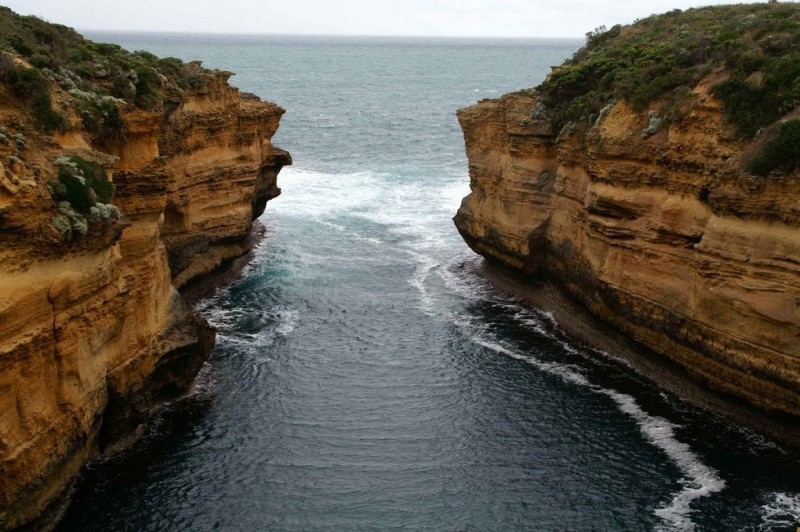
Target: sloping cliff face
{"type": "Point", "coordinates": [93, 333]}
{"type": "Point", "coordinates": [656, 227]}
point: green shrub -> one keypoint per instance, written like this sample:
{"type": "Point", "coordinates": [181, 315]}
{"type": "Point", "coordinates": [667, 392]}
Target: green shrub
{"type": "Point", "coordinates": [95, 179]}
{"type": "Point", "coordinates": [186, 76]}
{"type": "Point", "coordinates": [103, 188]}
{"type": "Point", "coordinates": [122, 87]}
{"type": "Point", "coordinates": [76, 192]}
{"type": "Point", "coordinates": [6, 65]}
{"type": "Point", "coordinates": [146, 56]}
{"type": "Point", "coordinates": [40, 60]}
{"type": "Point", "coordinates": [751, 106]}
{"type": "Point", "coordinates": [782, 152]}
{"type": "Point", "coordinates": [33, 89]}
{"type": "Point", "coordinates": [103, 119]}
{"type": "Point", "coordinates": [79, 53]}
{"type": "Point", "coordinates": [148, 84]}
{"type": "Point", "coordinates": [170, 66]}
{"type": "Point", "coordinates": [26, 83]}
{"type": "Point", "coordinates": [18, 44]}
{"type": "Point", "coordinates": [57, 189]}
{"type": "Point", "coordinates": [191, 80]}
{"type": "Point", "coordinates": [82, 184]}
{"type": "Point", "coordinates": [46, 118]}
{"type": "Point", "coordinates": [105, 48]}
{"type": "Point", "coordinates": [113, 126]}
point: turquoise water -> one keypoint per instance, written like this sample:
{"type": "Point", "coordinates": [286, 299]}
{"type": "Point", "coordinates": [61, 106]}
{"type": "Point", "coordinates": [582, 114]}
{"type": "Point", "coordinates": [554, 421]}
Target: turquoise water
{"type": "Point", "coordinates": [368, 377]}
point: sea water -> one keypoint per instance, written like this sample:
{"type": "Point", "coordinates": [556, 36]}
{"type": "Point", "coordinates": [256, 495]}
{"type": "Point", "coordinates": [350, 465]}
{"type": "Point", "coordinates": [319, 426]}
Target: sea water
{"type": "Point", "coordinates": [367, 376]}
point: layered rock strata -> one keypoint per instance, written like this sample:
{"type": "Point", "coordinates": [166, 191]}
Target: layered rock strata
{"type": "Point", "coordinates": [657, 230]}
{"type": "Point", "coordinates": [93, 333]}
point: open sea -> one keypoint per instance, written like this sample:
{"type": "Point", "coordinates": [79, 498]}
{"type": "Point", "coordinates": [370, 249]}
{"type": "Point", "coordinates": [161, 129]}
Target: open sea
{"type": "Point", "coordinates": [367, 376]}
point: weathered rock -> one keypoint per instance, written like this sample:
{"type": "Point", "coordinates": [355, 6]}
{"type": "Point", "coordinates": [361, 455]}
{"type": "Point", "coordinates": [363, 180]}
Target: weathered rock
{"type": "Point", "coordinates": [223, 170]}
{"type": "Point", "coordinates": [661, 235]}
{"type": "Point", "coordinates": [93, 333]}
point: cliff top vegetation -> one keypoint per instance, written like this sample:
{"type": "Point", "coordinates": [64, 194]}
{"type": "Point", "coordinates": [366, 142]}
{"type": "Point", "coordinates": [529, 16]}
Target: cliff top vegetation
{"type": "Point", "coordinates": [35, 54]}
{"type": "Point", "coordinates": [753, 50]}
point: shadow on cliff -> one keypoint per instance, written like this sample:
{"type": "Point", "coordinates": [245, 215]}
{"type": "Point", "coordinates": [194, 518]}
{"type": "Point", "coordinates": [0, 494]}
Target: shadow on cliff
{"type": "Point", "coordinates": [167, 430]}
{"type": "Point", "coordinates": [228, 272]}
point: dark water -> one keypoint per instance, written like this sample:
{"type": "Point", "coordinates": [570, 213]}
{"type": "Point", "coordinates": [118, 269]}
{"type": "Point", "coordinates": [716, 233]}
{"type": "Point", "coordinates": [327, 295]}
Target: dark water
{"type": "Point", "coordinates": [367, 377]}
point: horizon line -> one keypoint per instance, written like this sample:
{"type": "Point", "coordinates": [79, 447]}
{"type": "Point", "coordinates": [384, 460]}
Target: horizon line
{"type": "Point", "coordinates": [344, 35]}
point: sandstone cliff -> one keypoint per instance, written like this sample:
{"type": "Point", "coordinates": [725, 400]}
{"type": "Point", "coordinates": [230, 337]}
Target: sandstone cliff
{"type": "Point", "coordinates": [93, 333]}
{"type": "Point", "coordinates": [655, 219]}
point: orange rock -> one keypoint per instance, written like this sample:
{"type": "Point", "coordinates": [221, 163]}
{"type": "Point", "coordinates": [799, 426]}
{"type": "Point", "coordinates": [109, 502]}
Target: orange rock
{"type": "Point", "coordinates": [662, 235]}
{"type": "Point", "coordinates": [93, 333]}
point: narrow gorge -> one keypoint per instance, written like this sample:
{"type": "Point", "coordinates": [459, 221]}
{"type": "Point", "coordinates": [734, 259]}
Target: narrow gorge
{"type": "Point", "coordinates": [653, 179]}
{"type": "Point", "coordinates": [621, 353]}
{"type": "Point", "coordinates": [123, 177]}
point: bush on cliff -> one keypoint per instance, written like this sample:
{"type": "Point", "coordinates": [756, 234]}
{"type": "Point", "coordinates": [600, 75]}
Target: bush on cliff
{"type": "Point", "coordinates": [83, 197]}
{"type": "Point", "coordinates": [45, 117]}
{"type": "Point", "coordinates": [82, 184]}
{"type": "Point", "coordinates": [755, 49]}
{"type": "Point", "coordinates": [148, 84]}
{"type": "Point", "coordinates": [103, 119]}
{"type": "Point", "coordinates": [76, 192]}
{"type": "Point", "coordinates": [33, 89]}
{"type": "Point", "coordinates": [782, 152]}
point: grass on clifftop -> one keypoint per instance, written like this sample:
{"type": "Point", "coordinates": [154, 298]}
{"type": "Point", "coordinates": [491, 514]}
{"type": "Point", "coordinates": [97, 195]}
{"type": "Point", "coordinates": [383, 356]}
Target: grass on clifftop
{"type": "Point", "coordinates": [659, 58]}
{"type": "Point", "coordinates": [95, 73]}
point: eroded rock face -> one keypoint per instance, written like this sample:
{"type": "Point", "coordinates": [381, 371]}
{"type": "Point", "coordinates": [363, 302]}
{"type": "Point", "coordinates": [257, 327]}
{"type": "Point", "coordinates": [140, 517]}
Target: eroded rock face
{"type": "Point", "coordinates": [656, 230]}
{"type": "Point", "coordinates": [93, 333]}
{"type": "Point", "coordinates": [223, 170]}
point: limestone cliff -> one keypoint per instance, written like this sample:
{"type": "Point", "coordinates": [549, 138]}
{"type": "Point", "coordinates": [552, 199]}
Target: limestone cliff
{"type": "Point", "coordinates": [655, 219]}
{"type": "Point", "coordinates": [223, 171]}
{"type": "Point", "coordinates": [93, 333]}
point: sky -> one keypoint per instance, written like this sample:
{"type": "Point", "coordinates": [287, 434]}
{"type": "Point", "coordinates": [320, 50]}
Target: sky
{"type": "Point", "coordinates": [465, 18]}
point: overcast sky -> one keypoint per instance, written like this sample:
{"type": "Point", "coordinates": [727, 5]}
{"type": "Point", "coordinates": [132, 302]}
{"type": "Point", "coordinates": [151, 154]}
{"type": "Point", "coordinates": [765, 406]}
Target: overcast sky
{"type": "Point", "coordinates": [480, 18]}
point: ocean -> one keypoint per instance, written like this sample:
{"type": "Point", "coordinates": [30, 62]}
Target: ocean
{"type": "Point", "coordinates": [368, 375]}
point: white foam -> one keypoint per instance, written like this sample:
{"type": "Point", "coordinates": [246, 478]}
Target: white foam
{"type": "Point", "coordinates": [319, 194]}
{"type": "Point", "coordinates": [539, 321]}
{"type": "Point", "coordinates": [336, 227]}
{"type": "Point", "coordinates": [535, 323]}
{"type": "Point", "coordinates": [476, 287]}
{"type": "Point", "coordinates": [227, 321]}
{"type": "Point", "coordinates": [370, 240]}
{"type": "Point", "coordinates": [498, 348]}
{"type": "Point", "coordinates": [288, 322]}
{"type": "Point", "coordinates": [418, 279]}
{"type": "Point", "coordinates": [415, 209]}
{"type": "Point", "coordinates": [470, 287]}
{"type": "Point", "coordinates": [205, 383]}
{"type": "Point", "coordinates": [698, 480]}
{"type": "Point", "coordinates": [222, 319]}
{"type": "Point", "coordinates": [450, 196]}
{"type": "Point", "coordinates": [353, 234]}
{"type": "Point", "coordinates": [782, 511]}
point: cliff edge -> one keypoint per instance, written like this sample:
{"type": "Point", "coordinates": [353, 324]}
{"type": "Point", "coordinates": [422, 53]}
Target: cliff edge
{"type": "Point", "coordinates": [122, 177]}
{"type": "Point", "coordinates": [654, 178]}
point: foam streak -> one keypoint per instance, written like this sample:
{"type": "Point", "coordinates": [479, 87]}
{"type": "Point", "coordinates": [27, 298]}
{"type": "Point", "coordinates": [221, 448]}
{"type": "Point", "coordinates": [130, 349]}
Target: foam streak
{"type": "Point", "coordinates": [698, 480]}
